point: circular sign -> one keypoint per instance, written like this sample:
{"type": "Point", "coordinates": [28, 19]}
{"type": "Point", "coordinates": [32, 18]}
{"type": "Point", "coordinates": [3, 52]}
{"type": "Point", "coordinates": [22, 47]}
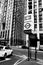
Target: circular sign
{"type": "Point", "coordinates": [27, 25]}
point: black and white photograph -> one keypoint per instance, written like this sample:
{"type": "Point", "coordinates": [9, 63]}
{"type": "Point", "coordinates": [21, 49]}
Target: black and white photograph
{"type": "Point", "coordinates": [21, 32]}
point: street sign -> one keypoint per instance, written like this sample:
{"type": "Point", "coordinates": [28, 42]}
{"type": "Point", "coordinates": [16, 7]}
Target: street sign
{"type": "Point", "coordinates": [27, 31]}
{"type": "Point", "coordinates": [28, 23]}
{"type": "Point", "coordinates": [27, 17]}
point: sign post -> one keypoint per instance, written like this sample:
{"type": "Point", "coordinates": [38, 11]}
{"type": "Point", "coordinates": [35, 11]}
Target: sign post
{"type": "Point", "coordinates": [28, 26]}
{"type": "Point", "coordinates": [29, 53]}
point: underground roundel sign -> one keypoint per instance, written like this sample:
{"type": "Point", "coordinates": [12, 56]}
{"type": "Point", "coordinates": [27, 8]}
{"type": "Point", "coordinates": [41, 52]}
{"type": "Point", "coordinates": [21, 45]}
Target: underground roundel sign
{"type": "Point", "coordinates": [27, 25]}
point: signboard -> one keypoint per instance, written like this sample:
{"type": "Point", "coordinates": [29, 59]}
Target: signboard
{"type": "Point", "coordinates": [27, 31]}
{"type": "Point", "coordinates": [27, 17]}
{"type": "Point", "coordinates": [28, 23]}
{"type": "Point", "coordinates": [27, 26]}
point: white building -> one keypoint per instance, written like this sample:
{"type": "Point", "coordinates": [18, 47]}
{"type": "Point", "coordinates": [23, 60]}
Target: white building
{"type": "Point", "coordinates": [6, 13]}
{"type": "Point", "coordinates": [11, 21]}
{"type": "Point", "coordinates": [35, 9]}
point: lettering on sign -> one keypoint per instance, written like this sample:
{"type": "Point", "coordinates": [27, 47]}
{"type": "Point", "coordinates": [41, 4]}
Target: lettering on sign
{"type": "Point", "coordinates": [27, 17]}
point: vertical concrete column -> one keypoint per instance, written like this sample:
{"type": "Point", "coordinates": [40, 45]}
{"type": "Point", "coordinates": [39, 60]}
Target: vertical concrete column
{"type": "Point", "coordinates": [38, 43]}
{"type": "Point", "coordinates": [32, 16]}
{"type": "Point", "coordinates": [27, 7]}
{"type": "Point", "coordinates": [27, 39]}
{"type": "Point", "coordinates": [27, 36]}
{"type": "Point", "coordinates": [9, 17]}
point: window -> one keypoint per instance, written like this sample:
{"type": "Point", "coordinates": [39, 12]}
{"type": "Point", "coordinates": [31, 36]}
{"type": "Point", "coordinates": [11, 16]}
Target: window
{"type": "Point", "coordinates": [35, 25]}
{"type": "Point", "coordinates": [40, 0]}
{"type": "Point", "coordinates": [0, 3]}
{"type": "Point", "coordinates": [3, 25]}
{"type": "Point", "coordinates": [35, 21]}
{"type": "Point", "coordinates": [30, 5]}
{"type": "Point", "coordinates": [29, 0]}
{"type": "Point", "coordinates": [40, 13]}
{"type": "Point", "coordinates": [35, 10]}
{"type": "Point", "coordinates": [5, 8]}
{"type": "Point", "coordinates": [40, 18]}
{"type": "Point", "coordinates": [35, 18]}
{"type": "Point", "coordinates": [35, 3]}
{"type": "Point", "coordinates": [3, 33]}
{"type": "Point", "coordinates": [40, 25]}
{"type": "Point", "coordinates": [30, 12]}
{"type": "Point", "coordinates": [35, 7]}
{"type": "Point", "coordinates": [40, 3]}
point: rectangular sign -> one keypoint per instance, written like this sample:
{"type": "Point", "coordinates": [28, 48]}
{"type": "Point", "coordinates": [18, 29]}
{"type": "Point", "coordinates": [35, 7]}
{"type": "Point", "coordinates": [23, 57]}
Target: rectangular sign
{"type": "Point", "coordinates": [28, 22]}
{"type": "Point", "coordinates": [27, 17]}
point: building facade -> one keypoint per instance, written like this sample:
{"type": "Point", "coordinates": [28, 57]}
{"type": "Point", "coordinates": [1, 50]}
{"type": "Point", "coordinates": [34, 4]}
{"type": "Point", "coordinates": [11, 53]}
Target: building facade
{"type": "Point", "coordinates": [35, 8]}
{"type": "Point", "coordinates": [17, 23]}
{"type": "Point", "coordinates": [6, 11]}
{"type": "Point", "coordinates": [11, 21]}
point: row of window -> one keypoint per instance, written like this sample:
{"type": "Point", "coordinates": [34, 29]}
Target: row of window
{"type": "Point", "coordinates": [40, 11]}
{"type": "Point", "coordinates": [30, 6]}
{"type": "Point", "coordinates": [4, 34]}
{"type": "Point", "coordinates": [35, 12]}
{"type": "Point", "coordinates": [5, 10]}
{"type": "Point", "coordinates": [40, 27]}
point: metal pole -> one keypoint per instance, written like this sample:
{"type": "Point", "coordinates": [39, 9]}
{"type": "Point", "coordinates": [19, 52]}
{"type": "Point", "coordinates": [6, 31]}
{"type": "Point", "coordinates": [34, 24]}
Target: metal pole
{"type": "Point", "coordinates": [35, 53]}
{"type": "Point", "coordinates": [28, 49]}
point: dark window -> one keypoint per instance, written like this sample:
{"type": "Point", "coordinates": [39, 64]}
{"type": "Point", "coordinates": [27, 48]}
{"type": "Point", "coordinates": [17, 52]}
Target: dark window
{"type": "Point", "coordinates": [30, 5]}
{"type": "Point", "coordinates": [35, 17]}
{"type": "Point", "coordinates": [40, 3]}
{"type": "Point", "coordinates": [35, 21]}
{"type": "Point", "coordinates": [35, 11]}
{"type": "Point", "coordinates": [3, 33]}
{"type": "Point", "coordinates": [29, 0]}
{"type": "Point", "coordinates": [40, 0]}
{"type": "Point", "coordinates": [40, 25]}
{"type": "Point", "coordinates": [30, 12]}
{"type": "Point", "coordinates": [3, 24]}
{"type": "Point", "coordinates": [40, 18]}
{"type": "Point", "coordinates": [35, 25]}
{"type": "Point", "coordinates": [0, 3]}
{"type": "Point", "coordinates": [42, 9]}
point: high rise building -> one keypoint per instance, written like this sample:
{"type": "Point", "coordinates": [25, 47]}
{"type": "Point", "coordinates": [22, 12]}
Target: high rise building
{"type": "Point", "coordinates": [17, 23]}
{"type": "Point", "coordinates": [6, 11]}
{"type": "Point", "coordinates": [11, 21]}
{"type": "Point", "coordinates": [35, 8]}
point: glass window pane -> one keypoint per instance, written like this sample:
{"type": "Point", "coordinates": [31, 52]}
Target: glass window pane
{"type": "Point", "coordinates": [40, 25]}
{"type": "Point", "coordinates": [35, 25]}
